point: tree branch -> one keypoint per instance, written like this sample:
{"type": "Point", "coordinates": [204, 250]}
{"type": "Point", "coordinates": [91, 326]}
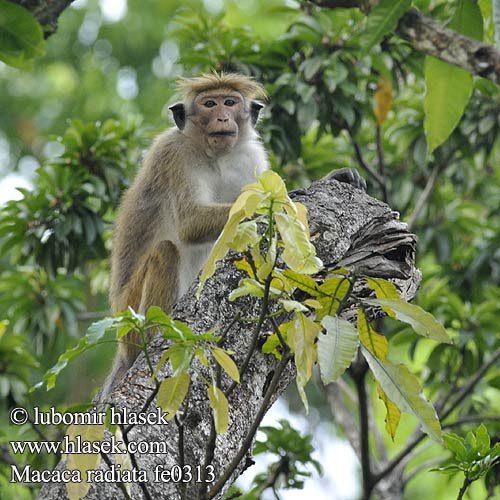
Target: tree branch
{"type": "Point", "coordinates": [429, 37]}
{"type": "Point", "coordinates": [46, 12]}
{"type": "Point", "coordinates": [344, 222]}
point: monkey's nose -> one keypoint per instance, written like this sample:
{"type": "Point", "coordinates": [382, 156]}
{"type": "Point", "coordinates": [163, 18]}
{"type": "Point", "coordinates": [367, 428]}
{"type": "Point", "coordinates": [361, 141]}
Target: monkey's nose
{"type": "Point", "coordinates": [223, 119]}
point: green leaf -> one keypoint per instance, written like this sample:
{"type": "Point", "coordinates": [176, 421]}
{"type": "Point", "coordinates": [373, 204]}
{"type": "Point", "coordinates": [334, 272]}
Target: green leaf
{"type": "Point", "coordinates": [337, 347]}
{"type": "Point", "coordinates": [456, 445]}
{"type": "Point", "coordinates": [483, 439]}
{"type": "Point", "coordinates": [448, 88]}
{"type": "Point", "coordinates": [172, 392]}
{"type": "Point", "coordinates": [21, 37]}
{"type": "Point", "coordinates": [226, 363]}
{"type": "Point", "coordinates": [94, 334]}
{"type": "Point", "coordinates": [180, 358]}
{"type": "Point", "coordinates": [381, 21]}
{"type": "Point", "coordinates": [271, 345]}
{"type": "Point", "coordinates": [403, 389]}
{"type": "Point", "coordinates": [220, 407]}
{"type": "Point", "coordinates": [468, 19]}
{"type": "Point", "coordinates": [422, 322]}
{"type": "Point", "coordinates": [448, 91]}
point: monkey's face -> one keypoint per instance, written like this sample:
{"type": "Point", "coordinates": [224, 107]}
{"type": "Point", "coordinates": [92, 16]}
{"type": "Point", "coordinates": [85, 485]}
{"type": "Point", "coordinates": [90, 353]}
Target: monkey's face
{"type": "Point", "coordinates": [220, 116]}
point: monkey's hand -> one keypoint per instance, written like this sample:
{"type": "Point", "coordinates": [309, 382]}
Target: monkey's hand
{"type": "Point", "coordinates": [349, 176]}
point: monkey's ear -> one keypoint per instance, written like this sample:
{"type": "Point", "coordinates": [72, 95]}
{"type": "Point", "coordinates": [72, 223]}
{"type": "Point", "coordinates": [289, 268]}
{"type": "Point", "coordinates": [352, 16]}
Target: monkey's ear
{"type": "Point", "coordinates": [255, 107]}
{"type": "Point", "coordinates": [179, 114]}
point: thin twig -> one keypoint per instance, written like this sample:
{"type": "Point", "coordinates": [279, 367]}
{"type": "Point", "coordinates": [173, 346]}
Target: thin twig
{"type": "Point", "coordinates": [255, 335]}
{"type": "Point", "coordinates": [182, 462]}
{"type": "Point", "coordinates": [468, 388]}
{"type": "Point", "coordinates": [120, 484]}
{"type": "Point", "coordinates": [381, 165]}
{"type": "Point", "coordinates": [141, 484]}
{"type": "Point", "coordinates": [358, 376]}
{"type": "Point", "coordinates": [362, 163]}
{"type": "Point", "coordinates": [441, 402]}
{"type": "Point", "coordinates": [420, 468]}
{"type": "Point", "coordinates": [470, 419]}
{"type": "Point", "coordinates": [429, 187]}
{"type": "Point", "coordinates": [245, 445]}
{"type": "Point", "coordinates": [418, 436]}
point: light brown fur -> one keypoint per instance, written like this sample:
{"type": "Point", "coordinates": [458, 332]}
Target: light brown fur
{"type": "Point", "coordinates": [180, 200]}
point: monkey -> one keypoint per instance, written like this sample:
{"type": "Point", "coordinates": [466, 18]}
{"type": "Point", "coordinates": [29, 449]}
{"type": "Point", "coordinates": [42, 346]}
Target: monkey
{"type": "Point", "coordinates": [180, 199]}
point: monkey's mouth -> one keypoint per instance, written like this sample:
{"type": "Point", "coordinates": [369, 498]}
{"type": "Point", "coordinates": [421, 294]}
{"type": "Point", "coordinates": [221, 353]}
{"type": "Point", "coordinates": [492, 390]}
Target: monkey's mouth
{"type": "Point", "coordinates": [222, 133]}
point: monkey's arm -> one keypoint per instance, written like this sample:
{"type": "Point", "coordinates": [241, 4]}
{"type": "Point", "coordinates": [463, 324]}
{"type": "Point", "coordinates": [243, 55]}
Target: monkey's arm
{"type": "Point", "coordinates": [202, 223]}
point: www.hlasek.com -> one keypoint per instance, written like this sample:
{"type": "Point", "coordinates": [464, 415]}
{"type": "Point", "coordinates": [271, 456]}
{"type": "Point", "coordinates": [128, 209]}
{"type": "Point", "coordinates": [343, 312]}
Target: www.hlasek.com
{"type": "Point", "coordinates": [112, 445]}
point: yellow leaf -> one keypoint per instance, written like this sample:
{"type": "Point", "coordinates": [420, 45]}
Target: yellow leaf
{"type": "Point", "coordinates": [301, 337]}
{"type": "Point", "coordinates": [331, 293]}
{"type": "Point", "coordinates": [200, 354]}
{"type": "Point", "coordinates": [375, 342]}
{"type": "Point", "coordinates": [221, 247]}
{"type": "Point", "coordinates": [220, 407]}
{"type": "Point", "coordinates": [272, 183]}
{"type": "Point", "coordinates": [83, 461]}
{"type": "Point", "coordinates": [393, 414]}
{"type": "Point", "coordinates": [315, 304]}
{"type": "Point", "coordinates": [226, 363]}
{"type": "Point", "coordinates": [123, 458]}
{"type": "Point", "coordinates": [301, 281]}
{"type": "Point", "coordinates": [246, 235]}
{"type": "Point", "coordinates": [383, 100]}
{"type": "Point", "coordinates": [302, 216]}
{"type": "Point", "coordinates": [299, 253]}
{"type": "Point", "coordinates": [172, 392]}
{"type": "Point", "coordinates": [244, 265]}
{"type": "Point", "coordinates": [293, 305]}
{"type": "Point", "coordinates": [271, 345]}
{"type": "Point", "coordinates": [266, 268]}
{"type": "Point", "coordinates": [383, 289]}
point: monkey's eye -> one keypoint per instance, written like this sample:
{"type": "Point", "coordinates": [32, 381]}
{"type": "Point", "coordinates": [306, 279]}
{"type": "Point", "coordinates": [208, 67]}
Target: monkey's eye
{"type": "Point", "coordinates": [210, 104]}
{"type": "Point", "coordinates": [229, 102]}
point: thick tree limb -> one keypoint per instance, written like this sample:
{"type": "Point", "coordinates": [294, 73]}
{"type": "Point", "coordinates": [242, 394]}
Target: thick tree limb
{"type": "Point", "coordinates": [340, 217]}
{"type": "Point", "coordinates": [46, 12]}
{"type": "Point", "coordinates": [428, 36]}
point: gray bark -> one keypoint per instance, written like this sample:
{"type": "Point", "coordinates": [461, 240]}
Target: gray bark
{"type": "Point", "coordinates": [430, 37]}
{"type": "Point", "coordinates": [340, 217]}
{"type": "Point", "coordinates": [46, 12]}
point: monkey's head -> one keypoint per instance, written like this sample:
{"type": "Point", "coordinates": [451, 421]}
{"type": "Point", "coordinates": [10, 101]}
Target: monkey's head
{"type": "Point", "coordinates": [218, 110]}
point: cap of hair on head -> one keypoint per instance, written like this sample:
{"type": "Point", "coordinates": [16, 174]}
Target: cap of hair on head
{"type": "Point", "coordinates": [245, 85]}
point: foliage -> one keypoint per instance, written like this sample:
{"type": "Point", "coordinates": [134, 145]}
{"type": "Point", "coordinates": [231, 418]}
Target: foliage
{"type": "Point", "coordinates": [21, 37]}
{"type": "Point", "coordinates": [473, 455]}
{"type": "Point", "coordinates": [344, 92]}
{"type": "Point", "coordinates": [293, 453]}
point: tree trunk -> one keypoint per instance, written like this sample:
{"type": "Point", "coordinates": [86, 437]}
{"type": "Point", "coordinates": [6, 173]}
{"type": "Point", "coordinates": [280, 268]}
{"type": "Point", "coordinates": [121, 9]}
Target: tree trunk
{"type": "Point", "coordinates": [347, 226]}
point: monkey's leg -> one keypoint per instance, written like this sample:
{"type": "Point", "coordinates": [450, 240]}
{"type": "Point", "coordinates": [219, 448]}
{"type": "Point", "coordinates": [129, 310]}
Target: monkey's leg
{"type": "Point", "coordinates": [159, 277]}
